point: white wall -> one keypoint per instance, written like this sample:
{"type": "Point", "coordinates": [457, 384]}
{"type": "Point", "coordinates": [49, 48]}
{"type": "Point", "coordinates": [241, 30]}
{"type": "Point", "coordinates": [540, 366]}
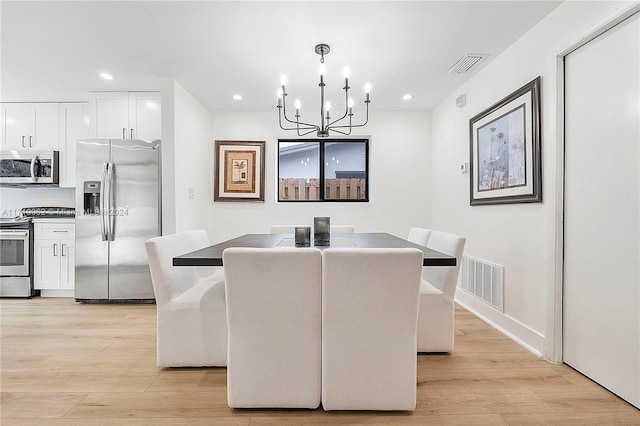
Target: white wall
{"type": "Point", "coordinates": [522, 237]}
{"type": "Point", "coordinates": [186, 134]}
{"type": "Point", "coordinates": [13, 199]}
{"type": "Point", "coordinates": [399, 177]}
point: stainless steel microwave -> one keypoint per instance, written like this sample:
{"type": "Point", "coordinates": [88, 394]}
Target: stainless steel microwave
{"type": "Point", "coordinates": [26, 168]}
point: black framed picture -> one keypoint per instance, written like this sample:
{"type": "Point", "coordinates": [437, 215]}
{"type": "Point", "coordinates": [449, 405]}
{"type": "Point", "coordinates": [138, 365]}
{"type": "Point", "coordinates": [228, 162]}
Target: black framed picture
{"type": "Point", "coordinates": [505, 153]}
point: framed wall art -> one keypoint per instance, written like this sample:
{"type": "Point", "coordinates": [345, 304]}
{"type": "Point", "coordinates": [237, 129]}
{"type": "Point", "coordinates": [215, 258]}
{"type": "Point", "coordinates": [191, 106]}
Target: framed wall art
{"type": "Point", "coordinates": [505, 154]}
{"type": "Point", "coordinates": [239, 171]}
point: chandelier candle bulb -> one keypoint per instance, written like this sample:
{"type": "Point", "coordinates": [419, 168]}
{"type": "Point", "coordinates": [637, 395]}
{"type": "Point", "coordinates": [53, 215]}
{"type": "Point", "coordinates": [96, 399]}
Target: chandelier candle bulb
{"type": "Point", "coordinates": [345, 74]}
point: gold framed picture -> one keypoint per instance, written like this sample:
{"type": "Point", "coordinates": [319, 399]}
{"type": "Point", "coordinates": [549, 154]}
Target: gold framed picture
{"type": "Point", "coordinates": [239, 171]}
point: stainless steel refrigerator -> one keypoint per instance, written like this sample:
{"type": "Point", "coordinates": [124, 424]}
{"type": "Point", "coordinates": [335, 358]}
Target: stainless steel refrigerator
{"type": "Point", "coordinates": [117, 210]}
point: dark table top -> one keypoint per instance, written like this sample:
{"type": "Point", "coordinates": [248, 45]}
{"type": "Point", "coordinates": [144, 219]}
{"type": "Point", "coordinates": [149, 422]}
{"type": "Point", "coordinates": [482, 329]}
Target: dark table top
{"type": "Point", "coordinates": [212, 255]}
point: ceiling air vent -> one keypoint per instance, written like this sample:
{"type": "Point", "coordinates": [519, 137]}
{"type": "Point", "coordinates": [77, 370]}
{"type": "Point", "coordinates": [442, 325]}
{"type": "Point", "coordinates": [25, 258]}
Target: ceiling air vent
{"type": "Point", "coordinates": [467, 63]}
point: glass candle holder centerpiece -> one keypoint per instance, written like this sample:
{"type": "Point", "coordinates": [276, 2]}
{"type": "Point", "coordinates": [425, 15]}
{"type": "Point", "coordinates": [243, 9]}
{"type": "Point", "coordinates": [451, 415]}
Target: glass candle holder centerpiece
{"type": "Point", "coordinates": [302, 236]}
{"type": "Point", "coordinates": [321, 231]}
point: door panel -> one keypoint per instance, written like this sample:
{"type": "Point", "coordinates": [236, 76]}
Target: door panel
{"type": "Point", "coordinates": [47, 264]}
{"type": "Point", "coordinates": [137, 190]}
{"type": "Point", "coordinates": [45, 131]}
{"type": "Point", "coordinates": [92, 253]}
{"type": "Point", "coordinates": [144, 115]}
{"type": "Point", "coordinates": [601, 324]}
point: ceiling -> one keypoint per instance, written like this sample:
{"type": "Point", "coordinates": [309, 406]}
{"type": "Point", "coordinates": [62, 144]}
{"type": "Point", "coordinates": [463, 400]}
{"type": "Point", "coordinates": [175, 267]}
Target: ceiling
{"type": "Point", "coordinates": [54, 51]}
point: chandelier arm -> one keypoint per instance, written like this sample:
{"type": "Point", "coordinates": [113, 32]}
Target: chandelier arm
{"type": "Point", "coordinates": [333, 129]}
{"type": "Point", "coordinates": [346, 109]}
{"type": "Point", "coordinates": [312, 127]}
{"type": "Point", "coordinates": [356, 125]}
{"type": "Point", "coordinates": [298, 128]}
{"type": "Point", "coordinates": [297, 122]}
{"type": "Point", "coordinates": [306, 133]}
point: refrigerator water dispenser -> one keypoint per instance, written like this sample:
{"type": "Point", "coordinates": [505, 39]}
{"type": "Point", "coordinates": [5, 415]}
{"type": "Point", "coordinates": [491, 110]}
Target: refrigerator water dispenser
{"type": "Point", "coordinates": [92, 197]}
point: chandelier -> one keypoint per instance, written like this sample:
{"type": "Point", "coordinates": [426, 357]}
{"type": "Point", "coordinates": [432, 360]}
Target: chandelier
{"type": "Point", "coordinates": [326, 123]}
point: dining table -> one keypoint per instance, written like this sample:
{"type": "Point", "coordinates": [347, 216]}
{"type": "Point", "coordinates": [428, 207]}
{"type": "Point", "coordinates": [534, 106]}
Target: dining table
{"type": "Point", "coordinates": [212, 255]}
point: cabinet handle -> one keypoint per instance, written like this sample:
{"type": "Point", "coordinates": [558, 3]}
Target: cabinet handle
{"type": "Point", "coordinates": [55, 246]}
{"type": "Point", "coordinates": [131, 133]}
{"type": "Point", "coordinates": [30, 141]}
{"type": "Point", "coordinates": [63, 249]}
{"type": "Point", "coordinates": [123, 133]}
{"type": "Point", "coordinates": [23, 141]}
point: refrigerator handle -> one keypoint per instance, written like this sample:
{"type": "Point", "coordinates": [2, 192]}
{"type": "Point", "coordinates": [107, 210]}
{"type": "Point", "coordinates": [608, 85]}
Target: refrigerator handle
{"type": "Point", "coordinates": [112, 202]}
{"type": "Point", "coordinates": [103, 202]}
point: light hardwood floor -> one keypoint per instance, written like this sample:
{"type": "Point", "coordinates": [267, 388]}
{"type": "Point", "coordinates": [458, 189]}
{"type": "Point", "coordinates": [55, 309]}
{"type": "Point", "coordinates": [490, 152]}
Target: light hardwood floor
{"type": "Point", "coordinates": [64, 363]}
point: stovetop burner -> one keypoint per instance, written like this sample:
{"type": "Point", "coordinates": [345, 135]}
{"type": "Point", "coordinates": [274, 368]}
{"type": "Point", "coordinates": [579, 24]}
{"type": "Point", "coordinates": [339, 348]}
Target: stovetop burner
{"type": "Point", "coordinates": [15, 222]}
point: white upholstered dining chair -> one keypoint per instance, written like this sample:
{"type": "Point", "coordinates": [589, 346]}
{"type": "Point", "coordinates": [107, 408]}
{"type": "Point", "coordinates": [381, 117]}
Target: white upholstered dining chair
{"type": "Point", "coordinates": [437, 292]}
{"type": "Point", "coordinates": [274, 300]}
{"type": "Point", "coordinates": [342, 229]}
{"type": "Point", "coordinates": [289, 229]}
{"type": "Point", "coordinates": [283, 229]}
{"type": "Point", "coordinates": [191, 311]}
{"type": "Point", "coordinates": [369, 312]}
{"type": "Point", "coordinates": [419, 235]}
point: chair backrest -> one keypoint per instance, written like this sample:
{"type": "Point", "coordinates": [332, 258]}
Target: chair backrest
{"type": "Point", "coordinates": [342, 229]}
{"type": "Point", "coordinates": [168, 280]}
{"type": "Point", "coordinates": [282, 229]}
{"type": "Point", "coordinates": [369, 313]}
{"type": "Point", "coordinates": [419, 236]}
{"type": "Point", "coordinates": [445, 278]}
{"type": "Point", "coordinates": [274, 299]}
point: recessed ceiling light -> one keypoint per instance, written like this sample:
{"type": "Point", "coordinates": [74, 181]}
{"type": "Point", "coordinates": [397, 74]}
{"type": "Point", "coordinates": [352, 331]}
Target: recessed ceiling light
{"type": "Point", "coordinates": [237, 97]}
{"type": "Point", "coordinates": [106, 76]}
{"type": "Point", "coordinates": [407, 97]}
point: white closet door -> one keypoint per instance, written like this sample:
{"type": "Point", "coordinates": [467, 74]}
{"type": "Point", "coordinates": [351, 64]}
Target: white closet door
{"type": "Point", "coordinates": [601, 336]}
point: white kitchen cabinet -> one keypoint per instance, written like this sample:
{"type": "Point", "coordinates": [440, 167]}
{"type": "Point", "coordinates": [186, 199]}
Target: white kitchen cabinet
{"type": "Point", "coordinates": [74, 125]}
{"type": "Point", "coordinates": [125, 115]}
{"type": "Point", "coordinates": [29, 126]}
{"type": "Point", "coordinates": [54, 256]}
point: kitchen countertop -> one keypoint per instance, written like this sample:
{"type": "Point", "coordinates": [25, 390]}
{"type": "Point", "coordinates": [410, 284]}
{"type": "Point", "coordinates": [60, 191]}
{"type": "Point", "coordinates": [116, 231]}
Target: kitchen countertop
{"type": "Point", "coordinates": [54, 220]}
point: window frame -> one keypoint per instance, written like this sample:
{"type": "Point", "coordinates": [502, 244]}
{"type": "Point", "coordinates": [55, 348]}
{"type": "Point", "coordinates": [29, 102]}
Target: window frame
{"type": "Point", "coordinates": [321, 144]}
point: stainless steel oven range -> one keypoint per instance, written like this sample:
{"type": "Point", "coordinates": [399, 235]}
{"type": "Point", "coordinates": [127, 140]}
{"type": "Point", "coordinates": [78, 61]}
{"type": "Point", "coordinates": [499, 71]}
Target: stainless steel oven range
{"type": "Point", "coordinates": [16, 257]}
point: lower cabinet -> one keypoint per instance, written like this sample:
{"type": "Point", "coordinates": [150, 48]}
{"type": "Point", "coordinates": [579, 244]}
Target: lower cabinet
{"type": "Point", "coordinates": [54, 256]}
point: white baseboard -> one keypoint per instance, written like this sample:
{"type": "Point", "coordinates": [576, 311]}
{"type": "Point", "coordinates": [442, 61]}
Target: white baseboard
{"type": "Point", "coordinates": [56, 293]}
{"type": "Point", "coordinates": [516, 331]}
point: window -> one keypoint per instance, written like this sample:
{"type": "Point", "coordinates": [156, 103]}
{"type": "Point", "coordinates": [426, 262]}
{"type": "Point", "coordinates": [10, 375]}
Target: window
{"type": "Point", "coordinates": [323, 170]}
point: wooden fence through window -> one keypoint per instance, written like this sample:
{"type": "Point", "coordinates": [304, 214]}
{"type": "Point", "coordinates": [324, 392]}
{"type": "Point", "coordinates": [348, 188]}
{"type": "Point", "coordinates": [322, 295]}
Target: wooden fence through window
{"type": "Point", "coordinates": [335, 189]}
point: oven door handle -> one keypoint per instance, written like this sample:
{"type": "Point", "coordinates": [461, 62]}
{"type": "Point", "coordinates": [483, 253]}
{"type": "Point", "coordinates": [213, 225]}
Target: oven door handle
{"type": "Point", "coordinates": [103, 203]}
{"type": "Point", "coordinates": [11, 233]}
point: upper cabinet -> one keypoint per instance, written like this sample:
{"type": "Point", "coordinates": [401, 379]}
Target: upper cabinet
{"type": "Point", "coordinates": [74, 125]}
{"type": "Point", "coordinates": [29, 126]}
{"type": "Point", "coordinates": [125, 115]}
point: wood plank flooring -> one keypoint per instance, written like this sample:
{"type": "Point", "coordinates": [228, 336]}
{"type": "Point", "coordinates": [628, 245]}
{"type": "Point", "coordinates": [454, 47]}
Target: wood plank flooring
{"type": "Point", "coordinates": [63, 363]}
